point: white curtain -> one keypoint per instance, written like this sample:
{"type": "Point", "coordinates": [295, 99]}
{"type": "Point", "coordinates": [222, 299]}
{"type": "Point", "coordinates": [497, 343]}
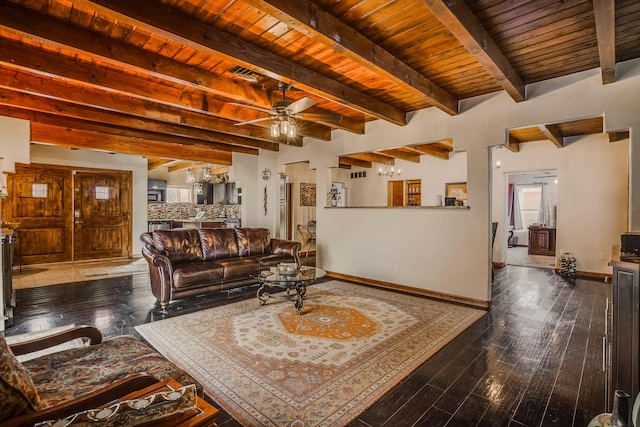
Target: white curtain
{"type": "Point", "coordinates": [544, 215]}
{"type": "Point", "coordinates": [517, 214]}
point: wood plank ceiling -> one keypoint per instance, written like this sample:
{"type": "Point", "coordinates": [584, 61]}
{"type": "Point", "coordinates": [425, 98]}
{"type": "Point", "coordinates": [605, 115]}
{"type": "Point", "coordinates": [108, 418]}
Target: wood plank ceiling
{"type": "Point", "coordinates": [169, 78]}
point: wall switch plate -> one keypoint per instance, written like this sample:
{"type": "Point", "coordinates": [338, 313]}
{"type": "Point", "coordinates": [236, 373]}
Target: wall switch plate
{"type": "Point", "coordinates": [396, 270]}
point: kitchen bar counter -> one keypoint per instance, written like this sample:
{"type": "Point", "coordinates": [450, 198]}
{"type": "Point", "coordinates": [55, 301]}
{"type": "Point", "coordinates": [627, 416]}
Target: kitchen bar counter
{"type": "Point", "coordinates": [164, 224]}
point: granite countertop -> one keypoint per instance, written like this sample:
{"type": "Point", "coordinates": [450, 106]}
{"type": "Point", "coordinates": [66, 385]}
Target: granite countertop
{"type": "Point", "coordinates": [397, 207]}
{"type": "Point", "coordinates": [189, 219]}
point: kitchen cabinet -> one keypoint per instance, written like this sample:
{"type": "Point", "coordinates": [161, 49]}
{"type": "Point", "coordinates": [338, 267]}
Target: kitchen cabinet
{"type": "Point", "coordinates": [625, 329]}
{"type": "Point", "coordinates": [414, 192]}
{"type": "Point", "coordinates": [224, 193]}
{"type": "Point", "coordinates": [542, 241]}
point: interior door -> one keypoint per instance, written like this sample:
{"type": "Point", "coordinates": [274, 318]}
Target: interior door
{"type": "Point", "coordinates": [395, 193]}
{"type": "Point", "coordinates": [102, 214]}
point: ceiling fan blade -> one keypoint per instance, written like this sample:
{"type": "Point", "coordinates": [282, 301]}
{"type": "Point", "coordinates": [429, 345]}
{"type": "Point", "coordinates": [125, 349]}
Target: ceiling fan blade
{"type": "Point", "coordinates": [333, 118]}
{"type": "Point", "coordinates": [264, 110]}
{"type": "Point", "coordinates": [252, 121]}
{"type": "Point", "coordinates": [301, 105]}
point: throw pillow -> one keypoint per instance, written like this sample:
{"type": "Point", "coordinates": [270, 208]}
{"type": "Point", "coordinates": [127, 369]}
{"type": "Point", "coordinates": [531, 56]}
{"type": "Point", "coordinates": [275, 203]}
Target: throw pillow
{"type": "Point", "coordinates": [18, 395]}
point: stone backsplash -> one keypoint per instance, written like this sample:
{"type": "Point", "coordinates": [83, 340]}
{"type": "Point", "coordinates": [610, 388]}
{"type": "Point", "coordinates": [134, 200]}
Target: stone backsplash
{"type": "Point", "coordinates": [187, 210]}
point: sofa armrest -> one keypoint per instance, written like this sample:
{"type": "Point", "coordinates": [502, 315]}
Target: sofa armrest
{"type": "Point", "coordinates": [92, 400]}
{"type": "Point", "coordinates": [160, 274]}
{"type": "Point", "coordinates": [286, 247]}
{"type": "Point", "coordinates": [90, 332]}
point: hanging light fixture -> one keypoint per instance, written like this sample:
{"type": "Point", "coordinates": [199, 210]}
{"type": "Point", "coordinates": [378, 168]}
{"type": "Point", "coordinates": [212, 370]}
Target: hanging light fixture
{"type": "Point", "coordinates": [191, 175]}
{"type": "Point", "coordinates": [206, 173]}
{"type": "Point", "coordinates": [389, 171]}
{"type": "Point", "coordinates": [283, 126]}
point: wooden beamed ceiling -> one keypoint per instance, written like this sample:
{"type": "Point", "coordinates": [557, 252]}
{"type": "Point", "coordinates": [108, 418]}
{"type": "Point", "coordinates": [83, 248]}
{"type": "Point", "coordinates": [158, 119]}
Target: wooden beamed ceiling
{"type": "Point", "coordinates": [158, 77]}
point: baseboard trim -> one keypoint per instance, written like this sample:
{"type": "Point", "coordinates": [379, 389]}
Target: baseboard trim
{"type": "Point", "coordinates": [590, 275]}
{"type": "Point", "coordinates": [484, 305]}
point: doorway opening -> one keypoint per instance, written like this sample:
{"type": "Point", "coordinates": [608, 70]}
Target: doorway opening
{"type": "Point", "coordinates": [532, 204]}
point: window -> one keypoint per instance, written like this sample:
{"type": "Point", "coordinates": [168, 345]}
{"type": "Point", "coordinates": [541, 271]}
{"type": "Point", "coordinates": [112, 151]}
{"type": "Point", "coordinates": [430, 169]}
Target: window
{"type": "Point", "coordinates": [102, 193]}
{"type": "Point", "coordinates": [39, 191]}
{"type": "Point", "coordinates": [177, 194]}
{"type": "Point", "coordinates": [529, 197]}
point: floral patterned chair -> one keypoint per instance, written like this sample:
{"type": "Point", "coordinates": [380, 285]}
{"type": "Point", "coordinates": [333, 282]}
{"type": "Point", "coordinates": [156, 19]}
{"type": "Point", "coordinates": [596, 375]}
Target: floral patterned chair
{"type": "Point", "coordinates": [59, 384]}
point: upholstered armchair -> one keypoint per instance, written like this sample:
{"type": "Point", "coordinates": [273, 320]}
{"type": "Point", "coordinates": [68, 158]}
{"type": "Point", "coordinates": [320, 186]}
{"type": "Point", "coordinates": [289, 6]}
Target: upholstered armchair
{"type": "Point", "coordinates": [59, 384]}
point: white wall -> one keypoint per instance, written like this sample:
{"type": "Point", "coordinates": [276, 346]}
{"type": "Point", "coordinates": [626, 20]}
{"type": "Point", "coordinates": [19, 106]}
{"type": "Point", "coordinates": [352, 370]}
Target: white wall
{"type": "Point", "coordinates": [444, 250]}
{"type": "Point", "coordinates": [433, 172]}
{"type": "Point", "coordinates": [592, 195]}
{"type": "Point", "coordinates": [14, 142]}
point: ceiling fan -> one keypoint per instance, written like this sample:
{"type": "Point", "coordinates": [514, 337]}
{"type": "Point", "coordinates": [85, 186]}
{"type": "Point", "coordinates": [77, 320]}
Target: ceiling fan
{"type": "Point", "coordinates": [283, 114]}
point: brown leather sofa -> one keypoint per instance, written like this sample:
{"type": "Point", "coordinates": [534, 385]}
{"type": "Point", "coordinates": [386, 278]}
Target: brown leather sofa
{"type": "Point", "coordinates": [185, 262]}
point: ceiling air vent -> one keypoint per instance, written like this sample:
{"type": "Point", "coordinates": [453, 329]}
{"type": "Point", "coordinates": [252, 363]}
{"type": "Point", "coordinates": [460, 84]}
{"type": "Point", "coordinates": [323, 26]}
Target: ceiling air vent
{"type": "Point", "coordinates": [245, 74]}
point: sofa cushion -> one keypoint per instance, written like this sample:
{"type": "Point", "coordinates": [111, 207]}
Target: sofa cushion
{"type": "Point", "coordinates": [239, 267]}
{"type": "Point", "coordinates": [197, 273]}
{"type": "Point", "coordinates": [180, 246]}
{"type": "Point", "coordinates": [273, 259]}
{"type": "Point", "coordinates": [70, 374]}
{"type": "Point", "coordinates": [253, 241]}
{"type": "Point", "coordinates": [18, 395]}
{"type": "Point", "coordinates": [218, 243]}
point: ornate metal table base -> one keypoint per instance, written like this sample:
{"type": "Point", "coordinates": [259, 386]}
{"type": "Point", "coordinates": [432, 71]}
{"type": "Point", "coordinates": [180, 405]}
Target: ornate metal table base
{"type": "Point", "coordinates": [295, 283]}
{"type": "Point", "coordinates": [295, 293]}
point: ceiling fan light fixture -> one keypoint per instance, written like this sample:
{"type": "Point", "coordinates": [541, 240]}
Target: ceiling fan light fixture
{"type": "Point", "coordinates": [292, 130]}
{"type": "Point", "coordinates": [275, 129]}
{"type": "Point", "coordinates": [285, 126]}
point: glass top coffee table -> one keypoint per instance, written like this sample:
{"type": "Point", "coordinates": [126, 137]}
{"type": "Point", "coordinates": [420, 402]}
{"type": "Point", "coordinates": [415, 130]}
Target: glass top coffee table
{"type": "Point", "coordinates": [294, 282]}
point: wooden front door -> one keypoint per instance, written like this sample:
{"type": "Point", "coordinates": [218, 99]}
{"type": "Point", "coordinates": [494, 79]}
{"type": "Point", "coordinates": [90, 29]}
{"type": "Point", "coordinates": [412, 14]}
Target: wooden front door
{"type": "Point", "coordinates": [40, 201]}
{"type": "Point", "coordinates": [67, 215]}
{"type": "Point", "coordinates": [101, 214]}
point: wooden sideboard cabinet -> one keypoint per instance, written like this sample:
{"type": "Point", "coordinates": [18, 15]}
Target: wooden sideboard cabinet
{"type": "Point", "coordinates": [542, 241]}
{"type": "Point", "coordinates": [624, 329]}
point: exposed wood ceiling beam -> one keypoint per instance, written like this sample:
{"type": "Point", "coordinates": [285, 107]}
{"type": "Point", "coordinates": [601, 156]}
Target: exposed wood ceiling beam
{"type": "Point", "coordinates": [352, 161]}
{"type": "Point", "coordinates": [61, 90]}
{"type": "Point", "coordinates": [401, 153]}
{"type": "Point", "coordinates": [14, 55]}
{"type": "Point", "coordinates": [198, 165]}
{"type": "Point", "coordinates": [155, 163]}
{"type": "Point", "coordinates": [311, 20]}
{"type": "Point", "coordinates": [374, 157]}
{"type": "Point", "coordinates": [604, 11]}
{"type": "Point", "coordinates": [35, 108]}
{"type": "Point", "coordinates": [618, 135]}
{"type": "Point", "coordinates": [513, 145]}
{"type": "Point", "coordinates": [77, 124]}
{"type": "Point", "coordinates": [465, 26]}
{"type": "Point", "coordinates": [431, 150]}
{"type": "Point", "coordinates": [24, 22]}
{"type": "Point", "coordinates": [553, 134]}
{"type": "Point", "coordinates": [74, 138]}
{"type": "Point", "coordinates": [150, 16]}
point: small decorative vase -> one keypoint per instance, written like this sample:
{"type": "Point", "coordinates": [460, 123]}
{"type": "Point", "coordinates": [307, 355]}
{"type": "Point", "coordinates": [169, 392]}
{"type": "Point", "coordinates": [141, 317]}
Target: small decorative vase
{"type": "Point", "coordinates": [619, 417]}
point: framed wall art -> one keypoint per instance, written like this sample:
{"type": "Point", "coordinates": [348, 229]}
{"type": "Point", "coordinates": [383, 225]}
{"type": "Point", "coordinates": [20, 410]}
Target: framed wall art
{"type": "Point", "coordinates": [307, 194]}
{"type": "Point", "coordinates": [457, 190]}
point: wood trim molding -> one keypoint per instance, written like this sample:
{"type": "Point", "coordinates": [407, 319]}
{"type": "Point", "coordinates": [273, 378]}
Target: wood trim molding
{"type": "Point", "coordinates": [484, 305]}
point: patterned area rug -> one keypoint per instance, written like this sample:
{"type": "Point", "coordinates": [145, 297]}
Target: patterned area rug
{"type": "Point", "coordinates": [268, 366]}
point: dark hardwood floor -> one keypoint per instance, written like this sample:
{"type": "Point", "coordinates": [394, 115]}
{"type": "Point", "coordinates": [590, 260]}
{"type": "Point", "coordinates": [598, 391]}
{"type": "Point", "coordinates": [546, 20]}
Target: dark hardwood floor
{"type": "Point", "coordinates": [534, 359]}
